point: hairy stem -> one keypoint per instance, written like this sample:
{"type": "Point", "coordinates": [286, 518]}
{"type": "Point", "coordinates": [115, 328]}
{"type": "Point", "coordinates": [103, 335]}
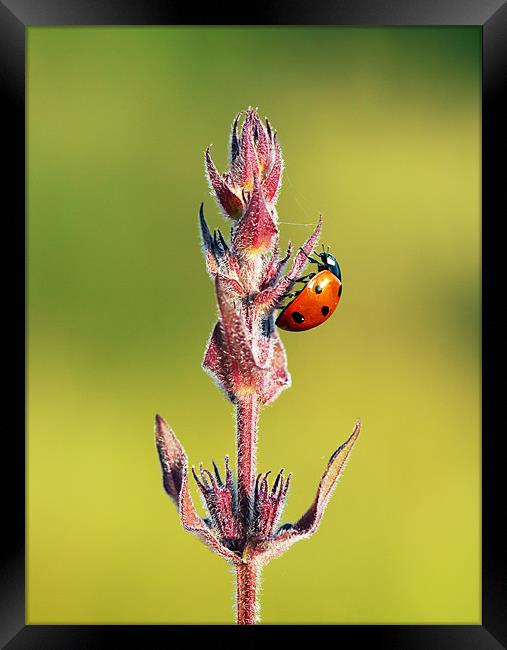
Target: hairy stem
{"type": "Point", "coordinates": [246, 579]}
{"type": "Point", "coordinates": [247, 417]}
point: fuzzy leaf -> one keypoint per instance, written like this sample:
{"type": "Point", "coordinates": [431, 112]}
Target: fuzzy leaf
{"type": "Point", "coordinates": [217, 363]}
{"type": "Point", "coordinates": [273, 180]}
{"type": "Point", "coordinates": [256, 232]}
{"type": "Point", "coordinates": [234, 139]}
{"type": "Point", "coordinates": [175, 473]}
{"type": "Point", "coordinates": [219, 260]}
{"type": "Point", "coordinates": [309, 522]}
{"type": "Point", "coordinates": [172, 458]}
{"type": "Point", "coordinates": [210, 252]}
{"type": "Point", "coordinates": [231, 204]}
{"type": "Point", "coordinates": [245, 164]}
{"type": "Point", "coordinates": [238, 347]}
{"type": "Point", "coordinates": [229, 356]}
{"type": "Point", "coordinates": [277, 378]}
{"type": "Point", "coordinates": [262, 143]}
{"type": "Point", "coordinates": [275, 266]}
{"type": "Point", "coordinates": [233, 288]}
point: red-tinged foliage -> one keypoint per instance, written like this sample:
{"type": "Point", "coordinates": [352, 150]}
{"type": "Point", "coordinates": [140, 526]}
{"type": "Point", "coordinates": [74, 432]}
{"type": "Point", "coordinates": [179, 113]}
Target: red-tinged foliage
{"type": "Point", "coordinates": [257, 537]}
{"type": "Point", "coordinates": [288, 534]}
{"type": "Point", "coordinates": [228, 200]}
{"type": "Point", "coordinates": [175, 478]}
{"type": "Point", "coordinates": [256, 233]}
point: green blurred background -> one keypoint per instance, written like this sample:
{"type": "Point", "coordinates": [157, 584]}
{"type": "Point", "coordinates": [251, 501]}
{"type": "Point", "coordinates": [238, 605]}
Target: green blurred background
{"type": "Point", "coordinates": [380, 130]}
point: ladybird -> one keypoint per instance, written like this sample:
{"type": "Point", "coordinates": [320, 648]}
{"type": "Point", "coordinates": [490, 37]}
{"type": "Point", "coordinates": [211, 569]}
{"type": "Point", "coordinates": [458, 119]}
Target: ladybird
{"type": "Point", "coordinates": [318, 299]}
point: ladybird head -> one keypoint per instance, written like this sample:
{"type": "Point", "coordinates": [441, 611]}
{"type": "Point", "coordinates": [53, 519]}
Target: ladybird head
{"type": "Point", "coordinates": [329, 263]}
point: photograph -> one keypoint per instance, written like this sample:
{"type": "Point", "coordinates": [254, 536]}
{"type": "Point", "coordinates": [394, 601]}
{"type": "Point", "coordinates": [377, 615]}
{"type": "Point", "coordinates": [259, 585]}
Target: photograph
{"type": "Point", "coordinates": [198, 197]}
{"type": "Point", "coordinates": [254, 310]}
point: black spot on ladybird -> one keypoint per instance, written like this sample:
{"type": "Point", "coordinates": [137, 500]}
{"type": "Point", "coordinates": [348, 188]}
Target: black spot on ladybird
{"type": "Point", "coordinates": [318, 289]}
{"type": "Point", "coordinates": [297, 317]}
{"type": "Point", "coordinates": [325, 310]}
{"type": "Point", "coordinates": [340, 291]}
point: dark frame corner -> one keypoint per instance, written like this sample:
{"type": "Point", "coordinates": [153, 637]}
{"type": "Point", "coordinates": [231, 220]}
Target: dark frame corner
{"type": "Point", "coordinates": [15, 17]}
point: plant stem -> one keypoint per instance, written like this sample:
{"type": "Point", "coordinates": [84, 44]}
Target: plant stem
{"type": "Point", "coordinates": [246, 579]}
{"type": "Point", "coordinates": [247, 417]}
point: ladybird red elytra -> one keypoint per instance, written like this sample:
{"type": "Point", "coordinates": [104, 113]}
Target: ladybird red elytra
{"type": "Point", "coordinates": [314, 304]}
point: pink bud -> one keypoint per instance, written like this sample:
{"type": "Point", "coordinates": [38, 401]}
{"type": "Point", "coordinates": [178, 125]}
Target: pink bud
{"type": "Point", "coordinates": [256, 232]}
{"type": "Point", "coordinates": [228, 200]}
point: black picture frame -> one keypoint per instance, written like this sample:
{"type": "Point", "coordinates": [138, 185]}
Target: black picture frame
{"type": "Point", "coordinates": [15, 17]}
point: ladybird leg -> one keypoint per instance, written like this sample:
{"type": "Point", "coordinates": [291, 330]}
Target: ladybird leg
{"type": "Point", "coordinates": [310, 258]}
{"type": "Point", "coordinates": [304, 277]}
{"type": "Point", "coordinates": [293, 294]}
{"type": "Point", "coordinates": [279, 305]}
